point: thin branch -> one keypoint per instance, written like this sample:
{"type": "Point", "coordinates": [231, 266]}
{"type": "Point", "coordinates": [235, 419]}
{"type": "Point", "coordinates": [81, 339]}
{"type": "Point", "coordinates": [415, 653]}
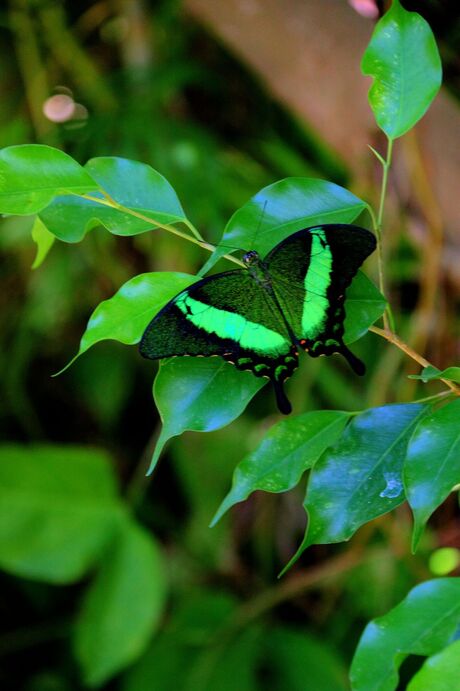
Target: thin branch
{"type": "Point", "coordinates": [289, 589]}
{"type": "Point", "coordinates": [386, 163]}
{"type": "Point", "coordinates": [393, 338]}
{"type": "Point", "coordinates": [108, 201]}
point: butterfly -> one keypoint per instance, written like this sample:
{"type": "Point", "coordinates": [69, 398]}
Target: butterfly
{"type": "Point", "coordinates": [260, 316]}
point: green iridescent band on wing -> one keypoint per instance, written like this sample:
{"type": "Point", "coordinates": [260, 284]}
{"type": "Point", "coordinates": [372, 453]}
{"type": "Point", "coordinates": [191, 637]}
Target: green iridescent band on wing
{"type": "Point", "coordinates": [229, 325]}
{"type": "Point", "coordinates": [317, 281]}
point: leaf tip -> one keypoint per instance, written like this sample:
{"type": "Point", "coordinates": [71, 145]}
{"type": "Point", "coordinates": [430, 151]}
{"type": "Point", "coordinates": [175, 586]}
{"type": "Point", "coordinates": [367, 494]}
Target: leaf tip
{"type": "Point", "coordinates": [61, 371]}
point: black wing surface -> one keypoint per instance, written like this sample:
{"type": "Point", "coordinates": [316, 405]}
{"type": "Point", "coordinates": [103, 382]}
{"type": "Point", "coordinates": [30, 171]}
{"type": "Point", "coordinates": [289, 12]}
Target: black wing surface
{"type": "Point", "coordinates": [310, 272]}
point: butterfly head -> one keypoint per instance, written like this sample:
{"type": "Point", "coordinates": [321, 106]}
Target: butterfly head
{"type": "Point", "coordinates": [251, 258]}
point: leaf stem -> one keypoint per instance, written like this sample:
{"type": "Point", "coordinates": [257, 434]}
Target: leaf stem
{"type": "Point", "coordinates": [386, 166]}
{"type": "Point", "coordinates": [388, 319]}
{"type": "Point", "coordinates": [197, 239]}
{"type": "Point", "coordinates": [393, 338]}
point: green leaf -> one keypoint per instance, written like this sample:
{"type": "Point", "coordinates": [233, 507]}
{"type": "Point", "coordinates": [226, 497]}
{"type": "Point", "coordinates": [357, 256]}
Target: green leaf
{"type": "Point", "coordinates": [440, 672]}
{"type": "Point", "coordinates": [215, 668]}
{"type": "Point", "coordinates": [122, 607]}
{"type": "Point", "coordinates": [284, 207]}
{"type": "Point", "coordinates": [299, 662]}
{"type": "Point", "coordinates": [360, 477]}
{"type": "Point", "coordinates": [364, 304]}
{"type": "Point", "coordinates": [125, 316]}
{"type": "Point", "coordinates": [432, 466]}
{"type": "Point", "coordinates": [290, 447]}
{"type": "Point", "coordinates": [429, 373]}
{"type": "Point", "coordinates": [166, 663]}
{"type": "Point", "coordinates": [58, 509]}
{"type": "Point", "coordinates": [32, 174]}
{"type": "Point", "coordinates": [134, 185]}
{"type": "Point", "coordinates": [403, 59]}
{"type": "Point", "coordinates": [422, 624]}
{"type": "Point", "coordinates": [44, 240]}
{"type": "Point", "coordinates": [199, 394]}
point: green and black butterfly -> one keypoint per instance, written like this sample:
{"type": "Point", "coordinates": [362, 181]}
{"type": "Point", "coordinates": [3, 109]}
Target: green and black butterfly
{"type": "Point", "coordinates": [258, 317]}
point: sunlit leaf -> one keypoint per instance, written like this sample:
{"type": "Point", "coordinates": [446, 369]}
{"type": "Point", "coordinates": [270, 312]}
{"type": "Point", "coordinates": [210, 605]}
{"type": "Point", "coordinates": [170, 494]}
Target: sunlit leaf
{"type": "Point", "coordinates": [125, 316]}
{"type": "Point", "coordinates": [403, 59]}
{"type": "Point", "coordinates": [199, 394]}
{"type": "Point", "coordinates": [58, 510]}
{"type": "Point", "coordinates": [32, 174]}
{"type": "Point", "coordinates": [422, 624]}
{"type": "Point", "coordinates": [431, 373]}
{"type": "Point", "coordinates": [360, 477]}
{"type": "Point", "coordinates": [284, 207]}
{"type": "Point", "coordinates": [432, 467]}
{"type": "Point", "coordinates": [290, 447]}
{"type": "Point", "coordinates": [134, 185]}
{"type": "Point", "coordinates": [44, 241]}
{"type": "Point", "coordinates": [440, 672]}
{"type": "Point", "coordinates": [122, 607]}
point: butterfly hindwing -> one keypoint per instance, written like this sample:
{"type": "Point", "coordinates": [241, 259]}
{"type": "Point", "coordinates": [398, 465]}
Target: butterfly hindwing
{"type": "Point", "coordinates": [310, 273]}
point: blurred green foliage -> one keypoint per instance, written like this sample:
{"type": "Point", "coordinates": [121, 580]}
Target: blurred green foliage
{"type": "Point", "coordinates": [190, 110]}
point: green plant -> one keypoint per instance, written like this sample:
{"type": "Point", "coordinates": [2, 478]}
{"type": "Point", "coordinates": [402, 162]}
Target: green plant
{"type": "Point", "coordinates": [363, 463]}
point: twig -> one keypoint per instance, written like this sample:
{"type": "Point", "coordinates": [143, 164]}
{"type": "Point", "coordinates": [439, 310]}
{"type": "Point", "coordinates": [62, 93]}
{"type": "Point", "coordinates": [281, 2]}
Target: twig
{"type": "Point", "coordinates": [386, 163]}
{"type": "Point", "coordinates": [107, 201]}
{"type": "Point", "coordinates": [286, 590]}
{"type": "Point", "coordinates": [393, 338]}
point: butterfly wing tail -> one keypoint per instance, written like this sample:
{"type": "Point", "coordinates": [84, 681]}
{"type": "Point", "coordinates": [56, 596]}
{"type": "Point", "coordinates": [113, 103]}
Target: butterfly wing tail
{"type": "Point", "coordinates": [355, 363]}
{"type": "Point", "coordinates": [282, 400]}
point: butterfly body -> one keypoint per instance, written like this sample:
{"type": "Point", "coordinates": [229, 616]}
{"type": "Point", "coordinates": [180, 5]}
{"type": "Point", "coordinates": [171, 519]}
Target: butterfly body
{"type": "Point", "coordinates": [259, 317]}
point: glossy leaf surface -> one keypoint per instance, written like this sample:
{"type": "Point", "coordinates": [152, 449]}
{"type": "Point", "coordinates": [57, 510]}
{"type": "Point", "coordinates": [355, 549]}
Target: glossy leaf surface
{"type": "Point", "coordinates": [360, 477]}
{"type": "Point", "coordinates": [290, 447]}
{"type": "Point", "coordinates": [432, 467]}
{"type": "Point", "coordinates": [422, 624]}
{"type": "Point", "coordinates": [403, 59]}
{"type": "Point", "coordinates": [32, 174]}
{"type": "Point", "coordinates": [125, 316]}
{"type": "Point", "coordinates": [122, 606]}
{"type": "Point", "coordinates": [440, 672]}
{"type": "Point", "coordinates": [200, 394]}
{"type": "Point", "coordinates": [134, 185]}
{"type": "Point", "coordinates": [286, 206]}
{"type": "Point", "coordinates": [58, 510]}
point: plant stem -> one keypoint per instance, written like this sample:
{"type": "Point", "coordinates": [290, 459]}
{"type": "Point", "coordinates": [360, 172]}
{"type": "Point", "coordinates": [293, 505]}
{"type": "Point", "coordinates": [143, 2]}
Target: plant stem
{"type": "Point", "coordinates": [388, 320]}
{"type": "Point", "coordinates": [383, 191]}
{"type": "Point", "coordinates": [197, 240]}
{"type": "Point", "coordinates": [393, 338]}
